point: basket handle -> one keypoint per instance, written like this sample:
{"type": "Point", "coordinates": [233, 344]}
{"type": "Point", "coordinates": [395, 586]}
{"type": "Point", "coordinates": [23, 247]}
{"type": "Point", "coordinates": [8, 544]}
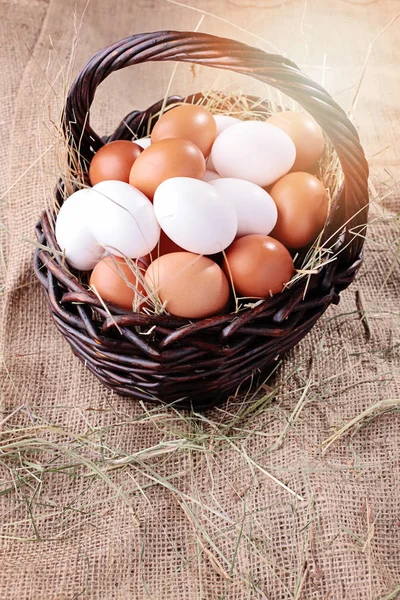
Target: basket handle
{"type": "Point", "coordinates": [350, 208]}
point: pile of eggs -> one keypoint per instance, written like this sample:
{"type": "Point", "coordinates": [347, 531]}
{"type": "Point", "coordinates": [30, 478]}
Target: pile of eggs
{"type": "Point", "coordinates": [208, 206]}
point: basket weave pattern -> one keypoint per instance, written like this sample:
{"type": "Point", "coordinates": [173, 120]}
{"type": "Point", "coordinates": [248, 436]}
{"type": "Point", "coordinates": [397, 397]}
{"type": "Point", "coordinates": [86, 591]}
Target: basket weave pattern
{"type": "Point", "coordinates": [170, 358]}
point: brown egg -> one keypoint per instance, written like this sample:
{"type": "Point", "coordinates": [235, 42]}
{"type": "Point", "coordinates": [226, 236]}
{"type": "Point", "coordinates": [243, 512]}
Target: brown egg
{"type": "Point", "coordinates": [113, 161]}
{"type": "Point", "coordinates": [165, 246]}
{"type": "Point", "coordinates": [302, 203]}
{"type": "Point", "coordinates": [111, 276]}
{"type": "Point", "coordinates": [306, 134]}
{"type": "Point", "coordinates": [163, 160]}
{"type": "Point", "coordinates": [188, 121]}
{"type": "Point", "coordinates": [192, 286]}
{"type": "Point", "coordinates": [258, 265]}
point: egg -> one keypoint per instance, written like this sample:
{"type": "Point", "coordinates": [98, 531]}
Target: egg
{"type": "Point", "coordinates": [190, 122]}
{"type": "Point", "coordinates": [123, 220]}
{"type": "Point", "coordinates": [222, 122]}
{"type": "Point", "coordinates": [166, 246]}
{"type": "Point", "coordinates": [194, 215]}
{"type": "Point", "coordinates": [143, 142]}
{"type": "Point", "coordinates": [113, 161]}
{"type": "Point", "coordinates": [163, 160]}
{"type": "Point", "coordinates": [73, 234]}
{"type": "Point", "coordinates": [258, 265]}
{"type": "Point", "coordinates": [255, 151]}
{"type": "Point", "coordinates": [302, 203]}
{"type": "Point", "coordinates": [210, 176]}
{"type": "Point", "coordinates": [190, 285]}
{"type": "Point", "coordinates": [118, 282]}
{"type": "Point", "coordinates": [306, 134]}
{"type": "Point", "coordinates": [255, 210]}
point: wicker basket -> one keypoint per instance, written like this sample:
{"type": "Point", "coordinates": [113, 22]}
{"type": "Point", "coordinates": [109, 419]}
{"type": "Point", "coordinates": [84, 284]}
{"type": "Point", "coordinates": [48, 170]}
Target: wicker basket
{"type": "Point", "coordinates": [200, 362]}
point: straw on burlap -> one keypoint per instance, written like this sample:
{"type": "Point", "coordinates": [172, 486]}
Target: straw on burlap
{"type": "Point", "coordinates": [115, 538]}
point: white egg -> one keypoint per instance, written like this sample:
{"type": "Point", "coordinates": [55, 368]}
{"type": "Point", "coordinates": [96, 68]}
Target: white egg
{"type": "Point", "coordinates": [123, 220]}
{"type": "Point", "coordinates": [210, 176]}
{"type": "Point", "coordinates": [256, 211]}
{"type": "Point", "coordinates": [225, 121]}
{"type": "Point", "coordinates": [194, 215]}
{"type": "Point", "coordinates": [143, 142]}
{"type": "Point", "coordinates": [222, 122]}
{"type": "Point", "coordinates": [73, 234]}
{"type": "Point", "coordinates": [255, 151]}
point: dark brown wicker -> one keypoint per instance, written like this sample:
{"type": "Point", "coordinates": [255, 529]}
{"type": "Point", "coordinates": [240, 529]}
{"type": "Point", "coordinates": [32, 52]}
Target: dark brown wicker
{"type": "Point", "coordinates": [200, 362]}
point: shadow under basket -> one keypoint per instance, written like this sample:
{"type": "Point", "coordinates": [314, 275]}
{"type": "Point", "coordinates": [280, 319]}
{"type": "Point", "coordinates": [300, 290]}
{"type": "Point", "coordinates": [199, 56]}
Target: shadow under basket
{"type": "Point", "coordinates": [170, 359]}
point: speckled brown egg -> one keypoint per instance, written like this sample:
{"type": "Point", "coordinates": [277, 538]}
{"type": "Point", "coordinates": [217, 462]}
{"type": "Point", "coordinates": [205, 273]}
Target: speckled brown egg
{"type": "Point", "coordinates": [164, 160]}
{"type": "Point", "coordinates": [113, 161]}
{"type": "Point", "coordinates": [190, 285]}
{"type": "Point", "coordinates": [118, 282]}
{"type": "Point", "coordinates": [188, 121]}
{"type": "Point", "coordinates": [258, 266]}
{"type": "Point", "coordinates": [302, 203]}
{"type": "Point", "coordinates": [306, 134]}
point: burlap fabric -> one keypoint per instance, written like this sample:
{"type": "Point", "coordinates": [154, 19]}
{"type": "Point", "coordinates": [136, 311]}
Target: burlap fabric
{"type": "Point", "coordinates": [101, 498]}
